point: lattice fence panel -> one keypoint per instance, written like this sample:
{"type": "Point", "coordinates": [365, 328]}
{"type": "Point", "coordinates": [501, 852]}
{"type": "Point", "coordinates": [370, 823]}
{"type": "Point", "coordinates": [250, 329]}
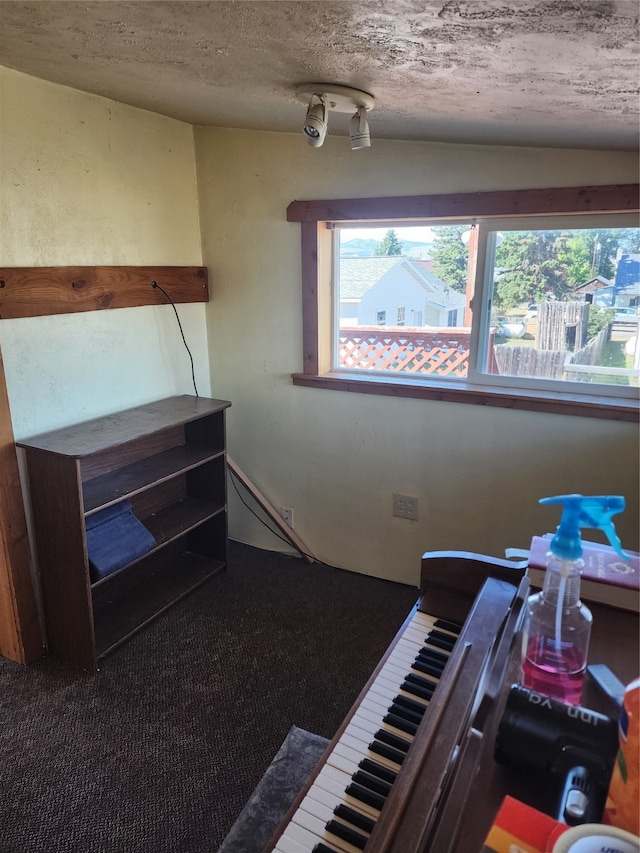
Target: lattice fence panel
{"type": "Point", "coordinates": [443, 352]}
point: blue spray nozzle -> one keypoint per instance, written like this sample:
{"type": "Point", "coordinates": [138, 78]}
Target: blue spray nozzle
{"type": "Point", "coordinates": [580, 512]}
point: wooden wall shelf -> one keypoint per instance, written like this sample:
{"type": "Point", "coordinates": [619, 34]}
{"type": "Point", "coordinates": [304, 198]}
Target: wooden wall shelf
{"type": "Point", "coordinates": [40, 291]}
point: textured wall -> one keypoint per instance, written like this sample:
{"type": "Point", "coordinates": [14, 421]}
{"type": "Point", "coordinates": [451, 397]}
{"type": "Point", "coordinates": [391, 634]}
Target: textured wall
{"type": "Point", "coordinates": [336, 458]}
{"type": "Point", "coordinates": [88, 181]}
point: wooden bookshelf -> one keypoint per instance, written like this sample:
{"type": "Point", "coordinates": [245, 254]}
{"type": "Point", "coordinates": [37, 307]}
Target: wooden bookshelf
{"type": "Point", "coordinates": [168, 459]}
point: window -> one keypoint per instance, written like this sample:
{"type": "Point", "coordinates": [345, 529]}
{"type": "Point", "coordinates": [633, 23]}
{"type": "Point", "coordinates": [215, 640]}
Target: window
{"type": "Point", "coordinates": [516, 310]}
{"type": "Point", "coordinates": [381, 318]}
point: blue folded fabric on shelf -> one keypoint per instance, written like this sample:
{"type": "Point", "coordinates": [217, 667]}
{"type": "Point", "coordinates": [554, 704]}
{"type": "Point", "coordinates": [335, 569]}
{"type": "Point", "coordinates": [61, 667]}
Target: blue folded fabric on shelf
{"type": "Point", "coordinates": [115, 537]}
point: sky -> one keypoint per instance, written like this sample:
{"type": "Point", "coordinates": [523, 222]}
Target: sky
{"type": "Point", "coordinates": [419, 234]}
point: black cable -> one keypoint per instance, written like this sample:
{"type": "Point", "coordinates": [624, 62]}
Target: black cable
{"type": "Point", "coordinates": [271, 530]}
{"type": "Point", "coordinates": [193, 375]}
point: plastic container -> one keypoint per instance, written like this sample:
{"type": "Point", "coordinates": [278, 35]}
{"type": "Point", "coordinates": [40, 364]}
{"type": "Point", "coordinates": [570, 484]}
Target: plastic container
{"type": "Point", "coordinates": [557, 625]}
{"type": "Point", "coordinates": [623, 803]}
{"type": "Point", "coordinates": [554, 659]}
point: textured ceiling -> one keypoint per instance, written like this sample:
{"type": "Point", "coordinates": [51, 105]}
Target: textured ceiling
{"type": "Point", "coordinates": [525, 72]}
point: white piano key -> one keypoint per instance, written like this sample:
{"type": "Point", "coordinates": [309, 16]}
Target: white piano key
{"type": "Point", "coordinates": [331, 799]}
{"type": "Point", "coordinates": [336, 782]}
{"type": "Point", "coordinates": [343, 748]}
{"type": "Point", "coordinates": [359, 739]}
{"type": "Point", "coordinates": [324, 812]}
{"type": "Point", "coordinates": [288, 845]}
{"type": "Point", "coordinates": [420, 618]}
{"type": "Point", "coordinates": [316, 826]}
{"type": "Point", "coordinates": [302, 836]}
{"type": "Point", "coordinates": [342, 763]}
{"type": "Point", "coordinates": [328, 790]}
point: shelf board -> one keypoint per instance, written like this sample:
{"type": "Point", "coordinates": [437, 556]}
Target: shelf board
{"type": "Point", "coordinates": [132, 479]}
{"type": "Point", "coordinates": [179, 518]}
{"type": "Point", "coordinates": [168, 525]}
{"type": "Point", "coordinates": [116, 621]}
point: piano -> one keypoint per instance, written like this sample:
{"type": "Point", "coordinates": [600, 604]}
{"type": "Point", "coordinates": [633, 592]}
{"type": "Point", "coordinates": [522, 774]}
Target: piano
{"type": "Point", "coordinates": [411, 768]}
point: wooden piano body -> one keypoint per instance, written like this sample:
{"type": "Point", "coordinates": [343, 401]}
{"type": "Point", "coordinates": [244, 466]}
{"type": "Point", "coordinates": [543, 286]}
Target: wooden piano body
{"type": "Point", "coordinates": [449, 788]}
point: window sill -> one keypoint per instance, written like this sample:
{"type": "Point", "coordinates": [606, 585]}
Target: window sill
{"type": "Point", "coordinates": [578, 405]}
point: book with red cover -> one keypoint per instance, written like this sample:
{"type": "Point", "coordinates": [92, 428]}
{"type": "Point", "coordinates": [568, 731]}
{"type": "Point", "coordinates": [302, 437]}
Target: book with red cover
{"type": "Point", "coordinates": [606, 577]}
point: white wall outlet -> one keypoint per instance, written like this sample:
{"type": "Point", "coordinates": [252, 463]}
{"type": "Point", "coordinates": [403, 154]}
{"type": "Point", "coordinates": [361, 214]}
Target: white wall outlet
{"type": "Point", "coordinates": [405, 506]}
{"type": "Point", "coordinates": [287, 514]}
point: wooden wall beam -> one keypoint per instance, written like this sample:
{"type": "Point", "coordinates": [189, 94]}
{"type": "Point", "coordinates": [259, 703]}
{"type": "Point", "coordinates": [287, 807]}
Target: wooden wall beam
{"type": "Point", "coordinates": [616, 198]}
{"type": "Point", "coordinates": [38, 291]}
{"type": "Point", "coordinates": [20, 635]}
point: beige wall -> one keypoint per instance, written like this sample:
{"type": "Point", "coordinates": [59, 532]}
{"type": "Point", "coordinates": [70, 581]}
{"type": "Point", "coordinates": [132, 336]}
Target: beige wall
{"type": "Point", "coordinates": [85, 180]}
{"type": "Point", "coordinates": [336, 458]}
{"type": "Point", "coordinates": [88, 181]}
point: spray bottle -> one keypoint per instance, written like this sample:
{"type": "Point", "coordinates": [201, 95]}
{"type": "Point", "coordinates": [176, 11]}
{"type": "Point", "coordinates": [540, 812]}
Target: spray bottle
{"type": "Point", "coordinates": [557, 624]}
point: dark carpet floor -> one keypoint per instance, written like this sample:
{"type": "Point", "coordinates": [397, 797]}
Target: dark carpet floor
{"type": "Point", "coordinates": [160, 750]}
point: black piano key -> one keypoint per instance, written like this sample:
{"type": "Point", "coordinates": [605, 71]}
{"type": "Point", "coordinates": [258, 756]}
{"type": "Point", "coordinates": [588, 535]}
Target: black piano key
{"type": "Point", "coordinates": [454, 627]}
{"type": "Point", "coordinates": [371, 782]}
{"type": "Point", "coordinates": [433, 655]}
{"type": "Point", "coordinates": [387, 751]}
{"type": "Point", "coordinates": [405, 713]}
{"type": "Point", "coordinates": [354, 818]}
{"type": "Point", "coordinates": [442, 641]}
{"type": "Point", "coordinates": [347, 834]}
{"type": "Point", "coordinates": [408, 687]}
{"type": "Point", "coordinates": [416, 707]}
{"type": "Point", "coordinates": [400, 723]}
{"type": "Point", "coordinates": [423, 683]}
{"type": "Point", "coordinates": [378, 770]}
{"type": "Point", "coordinates": [358, 792]}
{"type": "Point", "coordinates": [427, 668]}
{"type": "Point", "coordinates": [321, 847]}
{"type": "Point", "coordinates": [396, 741]}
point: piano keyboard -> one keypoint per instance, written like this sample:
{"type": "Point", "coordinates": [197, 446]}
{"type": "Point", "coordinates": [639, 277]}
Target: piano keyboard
{"type": "Point", "coordinates": [339, 810]}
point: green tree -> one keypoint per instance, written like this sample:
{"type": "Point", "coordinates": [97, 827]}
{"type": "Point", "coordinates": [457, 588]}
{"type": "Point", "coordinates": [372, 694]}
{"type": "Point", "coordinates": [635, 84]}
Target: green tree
{"type": "Point", "coordinates": [629, 240]}
{"type": "Point", "coordinates": [450, 255]}
{"type": "Point", "coordinates": [598, 319]}
{"type": "Point", "coordinates": [390, 244]}
{"type": "Point", "coordinates": [587, 254]}
{"type": "Point", "coordinates": [529, 268]}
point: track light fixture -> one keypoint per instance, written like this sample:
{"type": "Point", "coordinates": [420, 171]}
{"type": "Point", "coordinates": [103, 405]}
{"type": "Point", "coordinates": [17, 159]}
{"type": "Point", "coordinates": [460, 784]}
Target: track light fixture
{"type": "Point", "coordinates": [322, 97]}
{"type": "Point", "coordinates": [359, 130]}
{"type": "Point", "coordinates": [315, 123]}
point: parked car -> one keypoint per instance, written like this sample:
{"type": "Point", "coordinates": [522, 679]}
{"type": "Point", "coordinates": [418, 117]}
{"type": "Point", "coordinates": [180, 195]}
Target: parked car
{"type": "Point", "coordinates": [531, 313]}
{"type": "Point", "coordinates": [626, 315]}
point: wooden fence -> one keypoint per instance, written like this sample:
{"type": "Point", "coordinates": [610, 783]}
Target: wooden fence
{"type": "Point", "coordinates": [529, 361]}
{"type": "Point", "coordinates": [562, 325]}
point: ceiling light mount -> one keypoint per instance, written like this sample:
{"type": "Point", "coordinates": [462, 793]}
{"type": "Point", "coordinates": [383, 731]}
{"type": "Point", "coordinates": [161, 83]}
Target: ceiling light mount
{"type": "Point", "coordinates": [342, 99]}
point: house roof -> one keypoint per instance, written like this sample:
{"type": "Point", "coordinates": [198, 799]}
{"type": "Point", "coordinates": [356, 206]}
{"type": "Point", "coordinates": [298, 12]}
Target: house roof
{"type": "Point", "coordinates": [597, 283]}
{"type": "Point", "coordinates": [359, 275]}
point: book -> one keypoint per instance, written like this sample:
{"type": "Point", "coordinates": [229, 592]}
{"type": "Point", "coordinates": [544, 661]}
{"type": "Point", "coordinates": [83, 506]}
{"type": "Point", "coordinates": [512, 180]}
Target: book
{"type": "Point", "coordinates": [115, 537]}
{"type": "Point", "coordinates": [519, 827]}
{"type": "Point", "coordinates": [606, 577]}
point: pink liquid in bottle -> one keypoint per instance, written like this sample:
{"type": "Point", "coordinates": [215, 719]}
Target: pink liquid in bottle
{"type": "Point", "coordinates": [557, 673]}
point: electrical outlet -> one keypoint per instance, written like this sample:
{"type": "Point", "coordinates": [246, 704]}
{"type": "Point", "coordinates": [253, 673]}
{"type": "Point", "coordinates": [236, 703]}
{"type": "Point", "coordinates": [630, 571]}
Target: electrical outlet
{"type": "Point", "coordinates": [405, 506]}
{"type": "Point", "coordinates": [287, 514]}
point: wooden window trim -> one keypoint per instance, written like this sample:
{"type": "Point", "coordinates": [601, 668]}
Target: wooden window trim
{"type": "Point", "coordinates": [316, 217]}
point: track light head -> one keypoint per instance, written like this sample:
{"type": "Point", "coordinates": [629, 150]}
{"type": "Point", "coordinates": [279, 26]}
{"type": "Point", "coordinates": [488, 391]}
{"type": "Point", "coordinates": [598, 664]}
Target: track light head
{"type": "Point", "coordinates": [315, 123]}
{"type": "Point", "coordinates": [359, 130]}
{"type": "Point", "coordinates": [323, 97]}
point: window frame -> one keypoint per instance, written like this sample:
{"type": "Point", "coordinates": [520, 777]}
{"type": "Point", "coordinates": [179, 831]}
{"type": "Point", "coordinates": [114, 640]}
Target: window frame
{"type": "Point", "coordinates": [317, 219]}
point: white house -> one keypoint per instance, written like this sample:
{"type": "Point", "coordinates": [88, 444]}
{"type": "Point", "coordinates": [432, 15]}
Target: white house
{"type": "Point", "coordinates": [395, 291]}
